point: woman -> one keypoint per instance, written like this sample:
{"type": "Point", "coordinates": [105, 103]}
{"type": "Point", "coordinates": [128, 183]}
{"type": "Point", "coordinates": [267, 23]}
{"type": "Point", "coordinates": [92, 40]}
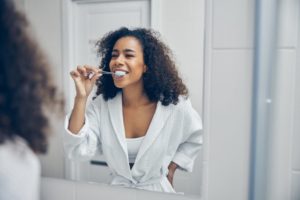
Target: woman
{"type": "Point", "coordinates": [142, 120]}
{"type": "Point", "coordinates": [25, 90]}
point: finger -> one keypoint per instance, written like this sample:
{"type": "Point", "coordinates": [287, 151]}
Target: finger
{"type": "Point", "coordinates": [90, 68]}
{"type": "Point", "coordinates": [82, 70]}
{"type": "Point", "coordinates": [74, 74]}
{"type": "Point", "coordinates": [95, 77]}
{"type": "Point", "coordinates": [91, 71]}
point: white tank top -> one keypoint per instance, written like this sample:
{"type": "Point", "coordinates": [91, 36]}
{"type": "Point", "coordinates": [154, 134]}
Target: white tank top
{"type": "Point", "coordinates": [133, 146]}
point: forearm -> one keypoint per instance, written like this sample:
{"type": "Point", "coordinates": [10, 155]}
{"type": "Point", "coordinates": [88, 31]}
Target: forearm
{"type": "Point", "coordinates": [76, 120]}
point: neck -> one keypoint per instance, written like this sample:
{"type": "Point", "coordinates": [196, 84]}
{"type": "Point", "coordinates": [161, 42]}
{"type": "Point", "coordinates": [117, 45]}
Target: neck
{"type": "Point", "coordinates": [134, 97]}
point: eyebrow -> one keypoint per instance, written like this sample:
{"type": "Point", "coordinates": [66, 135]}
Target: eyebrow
{"type": "Point", "coordinates": [125, 50]}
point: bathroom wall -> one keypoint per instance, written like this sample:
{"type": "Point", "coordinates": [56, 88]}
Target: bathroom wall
{"type": "Point", "coordinates": [284, 156]}
{"type": "Point", "coordinates": [227, 101]}
{"type": "Point", "coordinates": [229, 37]}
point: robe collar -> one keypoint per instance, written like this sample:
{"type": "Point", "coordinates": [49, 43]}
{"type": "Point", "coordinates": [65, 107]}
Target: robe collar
{"type": "Point", "coordinates": [158, 121]}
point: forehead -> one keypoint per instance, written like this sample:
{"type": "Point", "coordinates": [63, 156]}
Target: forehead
{"type": "Point", "coordinates": [128, 42]}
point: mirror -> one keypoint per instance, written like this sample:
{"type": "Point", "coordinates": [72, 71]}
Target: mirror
{"type": "Point", "coordinates": [71, 42]}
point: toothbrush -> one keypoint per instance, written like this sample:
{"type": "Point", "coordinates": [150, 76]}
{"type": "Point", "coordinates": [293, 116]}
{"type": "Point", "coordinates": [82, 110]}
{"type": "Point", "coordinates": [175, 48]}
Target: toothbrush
{"type": "Point", "coordinates": [117, 73]}
{"type": "Point", "coordinates": [105, 72]}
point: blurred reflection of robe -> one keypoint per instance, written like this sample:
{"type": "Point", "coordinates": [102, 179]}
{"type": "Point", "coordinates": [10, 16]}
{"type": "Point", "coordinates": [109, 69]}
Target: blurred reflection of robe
{"type": "Point", "coordinates": [175, 134]}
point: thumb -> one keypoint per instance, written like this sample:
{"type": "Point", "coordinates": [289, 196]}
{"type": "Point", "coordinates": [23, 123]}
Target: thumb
{"type": "Point", "coordinates": [95, 77]}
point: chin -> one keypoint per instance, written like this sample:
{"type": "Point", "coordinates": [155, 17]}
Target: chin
{"type": "Point", "coordinates": [118, 85]}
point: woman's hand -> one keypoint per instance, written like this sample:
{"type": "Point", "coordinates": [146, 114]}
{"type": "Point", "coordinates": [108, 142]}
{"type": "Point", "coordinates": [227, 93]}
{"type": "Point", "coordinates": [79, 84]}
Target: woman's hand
{"type": "Point", "coordinates": [172, 167]}
{"type": "Point", "coordinates": [83, 81]}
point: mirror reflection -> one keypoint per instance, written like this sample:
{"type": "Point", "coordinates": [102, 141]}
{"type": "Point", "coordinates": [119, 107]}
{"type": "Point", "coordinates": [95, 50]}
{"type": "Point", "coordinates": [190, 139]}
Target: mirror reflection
{"type": "Point", "coordinates": [75, 31]}
{"type": "Point", "coordinates": [141, 119]}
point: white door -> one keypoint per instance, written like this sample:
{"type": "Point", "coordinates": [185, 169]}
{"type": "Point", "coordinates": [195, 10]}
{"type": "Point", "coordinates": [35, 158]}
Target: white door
{"type": "Point", "coordinates": [86, 22]}
{"type": "Point", "coordinates": [93, 20]}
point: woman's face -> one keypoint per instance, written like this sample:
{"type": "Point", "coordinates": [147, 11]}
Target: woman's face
{"type": "Point", "coordinates": [127, 56]}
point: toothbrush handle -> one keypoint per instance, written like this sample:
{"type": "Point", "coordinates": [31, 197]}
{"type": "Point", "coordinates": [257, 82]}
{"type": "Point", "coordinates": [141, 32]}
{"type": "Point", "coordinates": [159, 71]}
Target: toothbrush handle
{"type": "Point", "coordinates": [91, 74]}
{"type": "Point", "coordinates": [105, 72]}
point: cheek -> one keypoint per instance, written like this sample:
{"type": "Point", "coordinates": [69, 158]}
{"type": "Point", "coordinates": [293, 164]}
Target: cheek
{"type": "Point", "coordinates": [111, 64]}
{"type": "Point", "coordinates": [139, 70]}
{"type": "Point", "coordinates": [139, 74]}
{"type": "Point", "coordinates": [140, 65]}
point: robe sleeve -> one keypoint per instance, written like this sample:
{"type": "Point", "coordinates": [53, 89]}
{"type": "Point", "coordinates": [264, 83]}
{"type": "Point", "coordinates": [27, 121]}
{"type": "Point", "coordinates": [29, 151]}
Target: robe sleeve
{"type": "Point", "coordinates": [87, 142]}
{"type": "Point", "coordinates": [192, 140]}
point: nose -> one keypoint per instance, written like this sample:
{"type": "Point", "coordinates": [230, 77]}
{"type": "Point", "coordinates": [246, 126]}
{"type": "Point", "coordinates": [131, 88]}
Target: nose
{"type": "Point", "coordinates": [119, 60]}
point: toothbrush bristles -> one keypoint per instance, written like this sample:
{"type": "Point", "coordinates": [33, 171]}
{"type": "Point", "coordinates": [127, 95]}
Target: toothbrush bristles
{"type": "Point", "coordinates": [120, 73]}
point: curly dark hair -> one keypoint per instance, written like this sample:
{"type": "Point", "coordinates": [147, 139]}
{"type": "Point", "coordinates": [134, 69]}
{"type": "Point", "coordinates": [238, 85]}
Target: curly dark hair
{"type": "Point", "coordinates": [25, 84]}
{"type": "Point", "coordinates": [161, 80]}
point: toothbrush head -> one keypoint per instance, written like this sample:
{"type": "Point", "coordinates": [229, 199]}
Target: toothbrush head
{"type": "Point", "coordinates": [120, 73]}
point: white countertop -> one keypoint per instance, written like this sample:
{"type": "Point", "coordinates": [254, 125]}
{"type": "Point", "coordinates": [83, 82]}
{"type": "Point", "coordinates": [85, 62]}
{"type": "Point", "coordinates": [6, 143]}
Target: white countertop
{"type": "Point", "coordinates": [60, 189]}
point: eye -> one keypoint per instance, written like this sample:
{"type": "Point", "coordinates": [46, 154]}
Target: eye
{"type": "Point", "coordinates": [114, 55]}
{"type": "Point", "coordinates": [129, 55]}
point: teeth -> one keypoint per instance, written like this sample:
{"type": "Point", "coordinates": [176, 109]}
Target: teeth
{"type": "Point", "coordinates": [120, 73]}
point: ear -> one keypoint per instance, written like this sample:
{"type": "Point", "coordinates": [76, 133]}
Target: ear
{"type": "Point", "coordinates": [145, 68]}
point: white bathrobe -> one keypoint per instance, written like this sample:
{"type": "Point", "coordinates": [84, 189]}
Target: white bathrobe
{"type": "Point", "coordinates": [175, 134]}
{"type": "Point", "coordinates": [20, 171]}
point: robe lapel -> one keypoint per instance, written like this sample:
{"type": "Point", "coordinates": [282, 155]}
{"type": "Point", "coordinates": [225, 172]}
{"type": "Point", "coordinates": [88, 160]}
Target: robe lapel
{"type": "Point", "coordinates": [158, 121]}
{"type": "Point", "coordinates": [116, 117]}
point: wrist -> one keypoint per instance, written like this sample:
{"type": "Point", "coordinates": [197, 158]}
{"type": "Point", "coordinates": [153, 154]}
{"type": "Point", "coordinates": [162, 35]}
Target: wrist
{"type": "Point", "coordinates": [172, 166]}
{"type": "Point", "coordinates": [80, 101]}
{"type": "Point", "coordinates": [80, 98]}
